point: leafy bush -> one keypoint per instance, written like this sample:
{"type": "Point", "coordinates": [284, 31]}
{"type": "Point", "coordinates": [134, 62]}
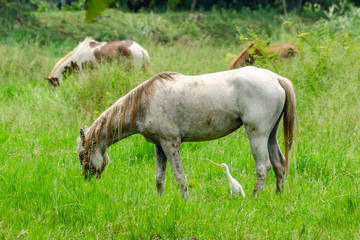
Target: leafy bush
{"type": "Point", "coordinates": [12, 11]}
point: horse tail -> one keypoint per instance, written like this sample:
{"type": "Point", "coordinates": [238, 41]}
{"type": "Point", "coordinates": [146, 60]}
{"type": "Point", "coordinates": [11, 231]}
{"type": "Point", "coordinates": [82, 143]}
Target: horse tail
{"type": "Point", "coordinates": [289, 117]}
{"type": "Point", "coordinates": [146, 59]}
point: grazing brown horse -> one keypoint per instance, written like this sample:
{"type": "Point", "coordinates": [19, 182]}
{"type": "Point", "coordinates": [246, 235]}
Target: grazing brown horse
{"type": "Point", "coordinates": [92, 51]}
{"type": "Point", "coordinates": [283, 50]}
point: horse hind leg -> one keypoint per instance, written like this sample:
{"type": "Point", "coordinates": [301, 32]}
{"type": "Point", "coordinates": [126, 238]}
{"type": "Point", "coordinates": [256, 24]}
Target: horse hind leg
{"type": "Point", "coordinates": [160, 169]}
{"type": "Point", "coordinates": [259, 149]}
{"type": "Point", "coordinates": [277, 159]}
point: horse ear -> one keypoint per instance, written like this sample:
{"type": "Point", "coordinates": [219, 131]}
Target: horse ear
{"type": "Point", "coordinates": [86, 128]}
{"type": "Point", "coordinates": [82, 136]}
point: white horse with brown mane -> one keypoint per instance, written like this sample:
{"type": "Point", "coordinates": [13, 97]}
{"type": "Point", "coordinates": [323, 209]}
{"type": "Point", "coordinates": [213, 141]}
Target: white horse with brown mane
{"type": "Point", "coordinates": [92, 51]}
{"type": "Point", "coordinates": [171, 108]}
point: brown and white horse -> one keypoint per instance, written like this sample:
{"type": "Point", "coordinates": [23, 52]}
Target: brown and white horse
{"type": "Point", "coordinates": [92, 51]}
{"type": "Point", "coordinates": [282, 50]}
{"type": "Point", "coordinates": [171, 108]}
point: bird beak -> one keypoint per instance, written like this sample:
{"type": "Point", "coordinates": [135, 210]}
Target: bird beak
{"type": "Point", "coordinates": [219, 165]}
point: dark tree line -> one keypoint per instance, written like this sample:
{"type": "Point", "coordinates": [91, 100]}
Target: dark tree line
{"type": "Point", "coordinates": [181, 5]}
{"type": "Point", "coordinates": [282, 5]}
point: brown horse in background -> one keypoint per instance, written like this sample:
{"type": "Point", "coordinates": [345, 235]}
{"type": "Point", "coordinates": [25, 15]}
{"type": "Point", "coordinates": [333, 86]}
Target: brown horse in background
{"type": "Point", "coordinates": [282, 50]}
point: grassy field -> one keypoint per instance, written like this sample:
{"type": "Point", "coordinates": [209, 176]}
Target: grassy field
{"type": "Point", "coordinates": [43, 195]}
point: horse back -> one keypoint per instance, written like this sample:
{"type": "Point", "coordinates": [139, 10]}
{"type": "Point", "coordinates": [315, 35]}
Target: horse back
{"type": "Point", "coordinates": [114, 49]}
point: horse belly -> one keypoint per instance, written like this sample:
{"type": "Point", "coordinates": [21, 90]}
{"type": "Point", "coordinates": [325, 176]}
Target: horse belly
{"type": "Point", "coordinates": [208, 126]}
{"type": "Point", "coordinates": [200, 136]}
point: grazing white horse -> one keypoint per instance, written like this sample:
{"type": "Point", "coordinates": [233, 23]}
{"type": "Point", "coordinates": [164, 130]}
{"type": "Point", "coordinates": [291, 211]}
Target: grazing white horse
{"type": "Point", "coordinates": [92, 51]}
{"type": "Point", "coordinates": [171, 108]}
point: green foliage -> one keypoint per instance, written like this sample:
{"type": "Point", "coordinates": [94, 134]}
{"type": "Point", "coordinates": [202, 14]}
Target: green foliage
{"type": "Point", "coordinates": [172, 3]}
{"type": "Point", "coordinates": [43, 195]}
{"type": "Point", "coordinates": [40, 5]}
{"type": "Point", "coordinates": [95, 7]}
{"type": "Point", "coordinates": [214, 28]}
{"type": "Point", "coordinates": [75, 6]}
{"type": "Point", "coordinates": [342, 17]}
{"type": "Point", "coordinates": [14, 11]}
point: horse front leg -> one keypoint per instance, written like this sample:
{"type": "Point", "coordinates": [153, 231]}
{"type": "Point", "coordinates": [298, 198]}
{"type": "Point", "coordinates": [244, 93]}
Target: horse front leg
{"type": "Point", "coordinates": [172, 152]}
{"type": "Point", "coordinates": [160, 169]}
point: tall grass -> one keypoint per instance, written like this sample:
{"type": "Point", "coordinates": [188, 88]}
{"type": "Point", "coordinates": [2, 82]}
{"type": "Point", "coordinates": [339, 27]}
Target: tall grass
{"type": "Point", "coordinates": [43, 195]}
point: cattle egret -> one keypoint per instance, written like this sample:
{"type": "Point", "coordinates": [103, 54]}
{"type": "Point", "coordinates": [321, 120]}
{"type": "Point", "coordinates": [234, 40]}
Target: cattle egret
{"type": "Point", "coordinates": [235, 187]}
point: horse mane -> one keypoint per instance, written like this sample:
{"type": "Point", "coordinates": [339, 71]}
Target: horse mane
{"type": "Point", "coordinates": [241, 58]}
{"type": "Point", "coordinates": [131, 104]}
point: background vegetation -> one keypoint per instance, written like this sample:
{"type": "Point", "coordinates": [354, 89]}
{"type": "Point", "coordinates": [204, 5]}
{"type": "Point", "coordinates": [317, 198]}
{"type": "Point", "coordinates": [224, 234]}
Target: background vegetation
{"type": "Point", "coordinates": [282, 6]}
{"type": "Point", "coordinates": [43, 195]}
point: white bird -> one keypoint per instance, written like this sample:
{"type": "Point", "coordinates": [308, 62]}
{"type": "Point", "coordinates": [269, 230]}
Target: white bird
{"type": "Point", "coordinates": [235, 187]}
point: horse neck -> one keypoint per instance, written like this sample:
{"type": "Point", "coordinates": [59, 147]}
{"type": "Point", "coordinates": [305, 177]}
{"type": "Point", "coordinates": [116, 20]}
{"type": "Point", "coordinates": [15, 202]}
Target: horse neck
{"type": "Point", "coordinates": [115, 137]}
{"type": "Point", "coordinates": [57, 72]}
{"type": "Point", "coordinates": [61, 64]}
{"type": "Point", "coordinates": [106, 127]}
{"type": "Point", "coordinates": [73, 56]}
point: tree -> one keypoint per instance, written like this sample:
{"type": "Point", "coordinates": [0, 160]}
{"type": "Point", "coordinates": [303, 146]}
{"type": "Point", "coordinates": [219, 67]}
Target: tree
{"type": "Point", "coordinates": [284, 6]}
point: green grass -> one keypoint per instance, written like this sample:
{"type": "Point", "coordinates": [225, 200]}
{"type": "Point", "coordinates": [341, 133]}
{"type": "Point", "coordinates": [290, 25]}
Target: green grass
{"type": "Point", "coordinates": [43, 195]}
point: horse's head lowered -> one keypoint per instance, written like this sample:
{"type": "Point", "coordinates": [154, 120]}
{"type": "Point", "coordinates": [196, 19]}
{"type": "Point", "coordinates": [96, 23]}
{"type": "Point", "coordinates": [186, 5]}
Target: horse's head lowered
{"type": "Point", "coordinates": [93, 158]}
{"type": "Point", "coordinates": [53, 81]}
{"type": "Point", "coordinates": [57, 77]}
